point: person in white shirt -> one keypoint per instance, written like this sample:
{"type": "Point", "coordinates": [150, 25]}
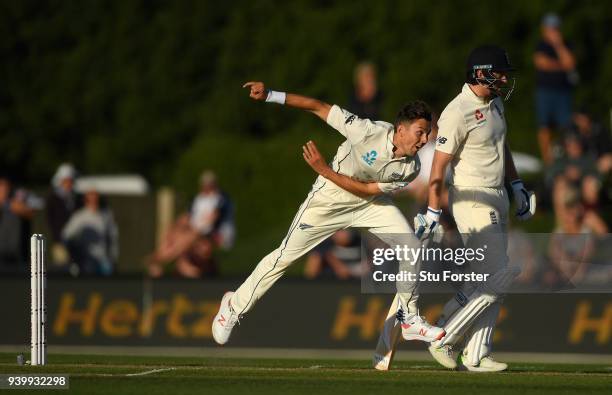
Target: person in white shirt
{"type": "Point", "coordinates": [376, 159]}
{"type": "Point", "coordinates": [92, 237]}
{"type": "Point", "coordinates": [472, 139]}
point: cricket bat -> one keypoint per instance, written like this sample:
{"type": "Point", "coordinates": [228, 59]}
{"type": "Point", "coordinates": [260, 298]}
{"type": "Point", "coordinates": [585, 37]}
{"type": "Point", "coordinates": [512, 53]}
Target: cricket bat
{"type": "Point", "coordinates": [388, 340]}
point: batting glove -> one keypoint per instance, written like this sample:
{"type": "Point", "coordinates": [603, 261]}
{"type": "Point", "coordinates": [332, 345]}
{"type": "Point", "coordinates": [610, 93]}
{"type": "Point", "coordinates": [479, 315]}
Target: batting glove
{"type": "Point", "coordinates": [428, 225]}
{"type": "Point", "coordinates": [525, 201]}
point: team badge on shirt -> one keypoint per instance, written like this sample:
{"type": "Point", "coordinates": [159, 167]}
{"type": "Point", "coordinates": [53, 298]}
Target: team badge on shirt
{"type": "Point", "coordinates": [480, 118]}
{"type": "Point", "coordinates": [369, 157]}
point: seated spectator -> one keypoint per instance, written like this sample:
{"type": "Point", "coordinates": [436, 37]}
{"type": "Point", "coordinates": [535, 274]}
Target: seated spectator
{"type": "Point", "coordinates": [572, 243]}
{"type": "Point", "coordinates": [192, 239]}
{"type": "Point", "coordinates": [575, 170]}
{"type": "Point", "coordinates": [198, 261]}
{"type": "Point", "coordinates": [339, 257]}
{"type": "Point", "coordinates": [522, 254]}
{"type": "Point", "coordinates": [222, 230]}
{"type": "Point", "coordinates": [92, 237]}
{"type": "Point", "coordinates": [16, 212]}
{"type": "Point", "coordinates": [595, 139]}
{"type": "Point", "coordinates": [62, 201]}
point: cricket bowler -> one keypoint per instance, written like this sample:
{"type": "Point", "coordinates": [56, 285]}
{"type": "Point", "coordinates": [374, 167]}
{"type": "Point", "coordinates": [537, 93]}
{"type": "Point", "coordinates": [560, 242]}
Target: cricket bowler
{"type": "Point", "coordinates": [376, 159]}
{"type": "Point", "coordinates": [472, 139]}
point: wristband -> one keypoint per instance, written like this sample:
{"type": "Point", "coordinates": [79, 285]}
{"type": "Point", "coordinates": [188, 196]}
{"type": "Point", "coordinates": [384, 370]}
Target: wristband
{"type": "Point", "coordinates": [276, 97]}
{"type": "Point", "coordinates": [433, 214]}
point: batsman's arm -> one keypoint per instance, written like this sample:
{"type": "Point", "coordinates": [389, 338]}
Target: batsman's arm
{"type": "Point", "coordinates": [510, 170]}
{"type": "Point", "coordinates": [436, 178]}
{"type": "Point", "coordinates": [258, 91]}
{"type": "Point", "coordinates": [315, 160]}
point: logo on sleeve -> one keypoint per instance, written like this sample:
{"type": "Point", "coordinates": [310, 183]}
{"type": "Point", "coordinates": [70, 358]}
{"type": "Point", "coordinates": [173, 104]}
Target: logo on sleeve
{"type": "Point", "coordinates": [441, 140]}
{"type": "Point", "coordinates": [304, 226]}
{"type": "Point", "coordinates": [349, 120]}
{"type": "Point", "coordinates": [369, 157]}
{"type": "Point", "coordinates": [493, 216]}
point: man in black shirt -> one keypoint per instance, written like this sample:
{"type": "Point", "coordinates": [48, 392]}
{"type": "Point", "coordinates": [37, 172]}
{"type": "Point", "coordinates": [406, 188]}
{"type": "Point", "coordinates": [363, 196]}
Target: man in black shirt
{"type": "Point", "coordinates": [555, 77]}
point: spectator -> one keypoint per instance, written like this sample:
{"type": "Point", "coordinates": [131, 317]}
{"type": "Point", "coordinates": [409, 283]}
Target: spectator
{"type": "Point", "coordinates": [340, 257]}
{"type": "Point", "coordinates": [62, 202]}
{"type": "Point", "coordinates": [522, 254]}
{"type": "Point", "coordinates": [213, 213]}
{"type": "Point", "coordinates": [191, 240]}
{"type": "Point", "coordinates": [92, 237]}
{"type": "Point", "coordinates": [366, 99]}
{"type": "Point", "coordinates": [16, 212]}
{"type": "Point", "coordinates": [595, 139]}
{"type": "Point", "coordinates": [198, 261]}
{"type": "Point", "coordinates": [575, 170]}
{"type": "Point", "coordinates": [556, 76]}
{"type": "Point", "coordinates": [572, 243]}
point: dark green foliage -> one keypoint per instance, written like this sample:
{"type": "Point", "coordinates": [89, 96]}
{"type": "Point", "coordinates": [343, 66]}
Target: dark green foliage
{"type": "Point", "coordinates": [155, 87]}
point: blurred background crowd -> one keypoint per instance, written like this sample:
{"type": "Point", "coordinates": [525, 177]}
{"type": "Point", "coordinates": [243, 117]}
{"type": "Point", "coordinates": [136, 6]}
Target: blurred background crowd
{"type": "Point", "coordinates": [153, 89]}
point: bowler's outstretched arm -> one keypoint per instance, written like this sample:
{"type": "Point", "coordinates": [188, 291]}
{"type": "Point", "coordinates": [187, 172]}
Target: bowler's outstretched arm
{"type": "Point", "coordinates": [315, 106]}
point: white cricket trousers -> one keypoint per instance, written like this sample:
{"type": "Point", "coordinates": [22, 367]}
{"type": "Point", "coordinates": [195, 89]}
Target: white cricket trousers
{"type": "Point", "coordinates": [481, 215]}
{"type": "Point", "coordinates": [326, 210]}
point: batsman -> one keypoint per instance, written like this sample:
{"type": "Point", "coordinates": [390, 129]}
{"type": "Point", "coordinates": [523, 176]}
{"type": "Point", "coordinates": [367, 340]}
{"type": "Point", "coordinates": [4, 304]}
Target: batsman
{"type": "Point", "coordinates": [472, 140]}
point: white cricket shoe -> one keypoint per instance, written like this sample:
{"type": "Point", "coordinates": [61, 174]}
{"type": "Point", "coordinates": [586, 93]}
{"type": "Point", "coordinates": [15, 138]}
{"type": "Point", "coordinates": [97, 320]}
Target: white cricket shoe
{"type": "Point", "coordinates": [487, 364]}
{"type": "Point", "coordinates": [443, 355]}
{"type": "Point", "coordinates": [414, 327]}
{"type": "Point", "coordinates": [225, 320]}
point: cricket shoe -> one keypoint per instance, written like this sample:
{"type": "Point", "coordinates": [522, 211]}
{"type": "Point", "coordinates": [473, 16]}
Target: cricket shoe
{"type": "Point", "coordinates": [414, 327]}
{"type": "Point", "coordinates": [443, 355]}
{"type": "Point", "coordinates": [487, 364]}
{"type": "Point", "coordinates": [225, 320]}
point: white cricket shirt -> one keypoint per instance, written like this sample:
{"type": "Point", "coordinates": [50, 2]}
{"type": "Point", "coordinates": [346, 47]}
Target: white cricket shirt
{"type": "Point", "coordinates": [367, 153]}
{"type": "Point", "coordinates": [473, 130]}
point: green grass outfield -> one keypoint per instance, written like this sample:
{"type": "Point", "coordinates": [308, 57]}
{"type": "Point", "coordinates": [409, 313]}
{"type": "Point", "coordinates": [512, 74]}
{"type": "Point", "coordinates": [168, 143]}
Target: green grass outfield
{"type": "Point", "coordinates": [100, 374]}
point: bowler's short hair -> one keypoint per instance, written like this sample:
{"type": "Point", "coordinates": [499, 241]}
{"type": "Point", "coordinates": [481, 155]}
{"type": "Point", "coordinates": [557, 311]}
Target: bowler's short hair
{"type": "Point", "coordinates": [412, 111]}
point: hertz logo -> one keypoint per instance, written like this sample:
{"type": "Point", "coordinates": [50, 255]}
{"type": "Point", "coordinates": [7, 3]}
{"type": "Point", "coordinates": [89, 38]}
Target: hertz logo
{"type": "Point", "coordinates": [180, 316]}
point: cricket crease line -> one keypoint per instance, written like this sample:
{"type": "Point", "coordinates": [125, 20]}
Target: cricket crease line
{"type": "Point", "coordinates": [146, 372]}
